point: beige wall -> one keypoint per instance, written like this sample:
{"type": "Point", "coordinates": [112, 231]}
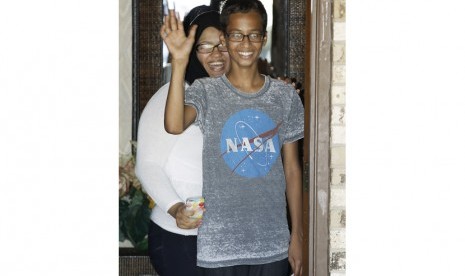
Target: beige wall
{"type": "Point", "coordinates": [125, 84]}
{"type": "Point", "coordinates": [125, 76]}
{"type": "Point", "coordinates": [338, 146]}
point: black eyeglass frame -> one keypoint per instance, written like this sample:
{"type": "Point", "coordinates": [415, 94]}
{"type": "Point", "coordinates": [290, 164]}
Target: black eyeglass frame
{"type": "Point", "coordinates": [261, 36]}
{"type": "Point", "coordinates": [212, 48]}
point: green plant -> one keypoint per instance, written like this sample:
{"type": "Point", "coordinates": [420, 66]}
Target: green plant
{"type": "Point", "coordinates": [134, 206]}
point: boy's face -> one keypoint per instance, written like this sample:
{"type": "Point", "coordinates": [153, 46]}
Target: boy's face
{"type": "Point", "coordinates": [246, 52]}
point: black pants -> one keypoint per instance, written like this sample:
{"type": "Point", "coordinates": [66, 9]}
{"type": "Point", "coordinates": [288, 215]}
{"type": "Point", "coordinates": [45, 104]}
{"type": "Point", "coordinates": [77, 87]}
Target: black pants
{"type": "Point", "coordinates": [279, 268]}
{"type": "Point", "coordinates": [172, 254]}
{"type": "Point", "coordinates": [176, 255]}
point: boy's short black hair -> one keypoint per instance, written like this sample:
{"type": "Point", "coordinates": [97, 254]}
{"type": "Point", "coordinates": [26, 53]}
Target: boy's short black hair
{"type": "Point", "coordinates": [242, 6]}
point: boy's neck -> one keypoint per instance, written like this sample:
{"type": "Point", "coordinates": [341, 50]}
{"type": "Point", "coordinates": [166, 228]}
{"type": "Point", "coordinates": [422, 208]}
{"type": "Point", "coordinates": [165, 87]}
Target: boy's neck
{"type": "Point", "coordinates": [246, 81]}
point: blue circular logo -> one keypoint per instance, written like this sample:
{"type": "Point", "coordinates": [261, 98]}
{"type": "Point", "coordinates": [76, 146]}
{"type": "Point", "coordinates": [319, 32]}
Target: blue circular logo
{"type": "Point", "coordinates": [249, 143]}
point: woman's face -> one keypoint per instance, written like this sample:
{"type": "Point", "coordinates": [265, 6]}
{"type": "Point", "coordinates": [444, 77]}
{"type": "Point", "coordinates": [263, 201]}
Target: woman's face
{"type": "Point", "coordinates": [215, 63]}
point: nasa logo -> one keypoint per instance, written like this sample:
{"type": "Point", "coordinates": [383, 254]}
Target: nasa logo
{"type": "Point", "coordinates": [249, 143]}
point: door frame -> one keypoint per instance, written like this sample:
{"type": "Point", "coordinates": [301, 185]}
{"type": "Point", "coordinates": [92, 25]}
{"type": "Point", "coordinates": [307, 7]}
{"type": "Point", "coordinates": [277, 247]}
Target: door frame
{"type": "Point", "coordinates": [307, 30]}
{"type": "Point", "coordinates": [318, 34]}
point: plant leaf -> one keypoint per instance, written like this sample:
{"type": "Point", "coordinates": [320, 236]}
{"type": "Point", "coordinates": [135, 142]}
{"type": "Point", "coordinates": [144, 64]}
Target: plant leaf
{"type": "Point", "coordinates": [136, 222]}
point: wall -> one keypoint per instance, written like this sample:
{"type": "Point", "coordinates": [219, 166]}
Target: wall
{"type": "Point", "coordinates": [338, 126]}
{"type": "Point", "coordinates": [125, 84]}
{"type": "Point", "coordinates": [125, 76]}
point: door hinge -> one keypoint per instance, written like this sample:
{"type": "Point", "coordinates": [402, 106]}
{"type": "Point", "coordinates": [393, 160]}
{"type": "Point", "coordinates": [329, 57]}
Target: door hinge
{"type": "Point", "coordinates": [306, 177]}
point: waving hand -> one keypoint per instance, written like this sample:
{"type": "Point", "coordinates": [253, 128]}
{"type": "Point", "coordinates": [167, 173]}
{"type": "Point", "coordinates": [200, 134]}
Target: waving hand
{"type": "Point", "coordinates": [174, 37]}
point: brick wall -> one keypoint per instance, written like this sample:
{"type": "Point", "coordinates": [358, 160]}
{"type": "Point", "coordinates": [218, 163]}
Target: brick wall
{"type": "Point", "coordinates": [337, 265]}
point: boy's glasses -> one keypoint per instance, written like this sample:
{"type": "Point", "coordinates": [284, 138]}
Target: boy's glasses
{"type": "Point", "coordinates": [207, 48]}
{"type": "Point", "coordinates": [238, 37]}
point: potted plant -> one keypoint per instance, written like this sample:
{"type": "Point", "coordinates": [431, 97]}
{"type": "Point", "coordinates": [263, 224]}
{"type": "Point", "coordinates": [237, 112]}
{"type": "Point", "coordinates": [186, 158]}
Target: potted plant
{"type": "Point", "coordinates": [134, 206]}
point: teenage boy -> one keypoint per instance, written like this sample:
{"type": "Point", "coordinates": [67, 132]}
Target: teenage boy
{"type": "Point", "coordinates": [251, 124]}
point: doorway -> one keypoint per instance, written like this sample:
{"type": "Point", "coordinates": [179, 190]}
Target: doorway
{"type": "Point", "coordinates": [301, 49]}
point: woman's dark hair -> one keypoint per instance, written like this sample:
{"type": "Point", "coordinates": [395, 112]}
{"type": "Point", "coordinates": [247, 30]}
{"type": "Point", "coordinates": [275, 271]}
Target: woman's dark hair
{"type": "Point", "coordinates": [242, 6]}
{"type": "Point", "coordinates": [204, 17]}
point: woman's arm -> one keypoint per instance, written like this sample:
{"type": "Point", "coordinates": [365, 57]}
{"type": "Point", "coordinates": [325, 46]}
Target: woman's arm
{"type": "Point", "coordinates": [154, 147]}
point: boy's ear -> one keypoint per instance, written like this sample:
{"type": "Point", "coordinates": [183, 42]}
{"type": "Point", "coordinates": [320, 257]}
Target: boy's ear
{"type": "Point", "coordinates": [265, 38]}
{"type": "Point", "coordinates": [222, 39]}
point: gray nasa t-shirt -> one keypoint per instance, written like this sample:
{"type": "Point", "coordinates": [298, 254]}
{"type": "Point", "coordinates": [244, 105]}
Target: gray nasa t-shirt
{"type": "Point", "coordinates": [243, 178]}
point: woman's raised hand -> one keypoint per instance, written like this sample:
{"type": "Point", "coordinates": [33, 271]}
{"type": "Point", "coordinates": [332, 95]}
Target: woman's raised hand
{"type": "Point", "coordinates": [172, 32]}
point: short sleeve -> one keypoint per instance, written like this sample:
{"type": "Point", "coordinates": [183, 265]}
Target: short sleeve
{"type": "Point", "coordinates": [294, 128]}
{"type": "Point", "coordinates": [195, 96]}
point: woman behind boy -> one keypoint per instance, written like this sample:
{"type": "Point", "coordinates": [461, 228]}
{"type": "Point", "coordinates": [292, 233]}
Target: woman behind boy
{"type": "Point", "coordinates": [251, 125]}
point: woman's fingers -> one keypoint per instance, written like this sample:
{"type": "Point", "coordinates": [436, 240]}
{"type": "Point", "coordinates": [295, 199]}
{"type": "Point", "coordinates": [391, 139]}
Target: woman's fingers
{"type": "Point", "coordinates": [189, 223]}
{"type": "Point", "coordinates": [184, 220]}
